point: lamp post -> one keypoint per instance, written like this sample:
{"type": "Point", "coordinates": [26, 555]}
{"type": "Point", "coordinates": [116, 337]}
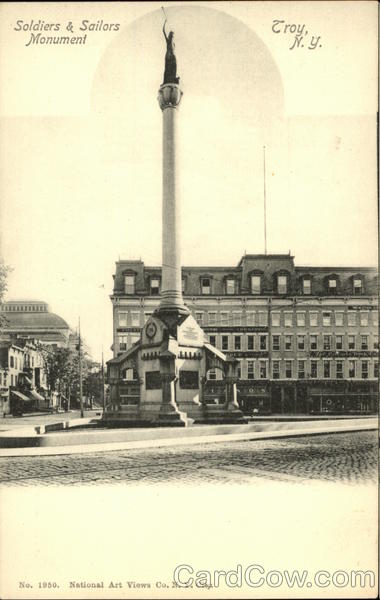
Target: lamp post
{"type": "Point", "coordinates": [80, 373]}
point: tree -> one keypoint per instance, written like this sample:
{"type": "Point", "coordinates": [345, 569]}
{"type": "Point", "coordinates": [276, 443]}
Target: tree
{"type": "Point", "coordinates": [56, 361]}
{"type": "Point", "coordinates": [4, 272]}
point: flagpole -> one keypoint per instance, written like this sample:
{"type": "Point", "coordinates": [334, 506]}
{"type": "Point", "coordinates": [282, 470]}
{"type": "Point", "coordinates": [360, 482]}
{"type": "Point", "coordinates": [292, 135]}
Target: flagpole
{"type": "Point", "coordinates": [265, 204]}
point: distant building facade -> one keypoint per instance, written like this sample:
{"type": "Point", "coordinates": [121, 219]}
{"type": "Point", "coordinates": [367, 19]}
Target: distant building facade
{"type": "Point", "coordinates": [23, 382]}
{"type": "Point", "coordinates": [306, 337]}
{"type": "Point", "coordinates": [32, 319]}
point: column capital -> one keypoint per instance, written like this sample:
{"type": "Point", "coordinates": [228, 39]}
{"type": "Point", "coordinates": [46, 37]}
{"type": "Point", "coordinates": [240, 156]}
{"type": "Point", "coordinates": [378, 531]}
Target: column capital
{"type": "Point", "coordinates": [169, 95]}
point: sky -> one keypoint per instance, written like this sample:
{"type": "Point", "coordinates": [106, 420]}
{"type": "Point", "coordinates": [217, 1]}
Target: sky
{"type": "Point", "coordinates": [80, 146]}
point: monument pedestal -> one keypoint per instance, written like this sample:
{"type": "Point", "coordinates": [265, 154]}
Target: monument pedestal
{"type": "Point", "coordinates": [172, 372]}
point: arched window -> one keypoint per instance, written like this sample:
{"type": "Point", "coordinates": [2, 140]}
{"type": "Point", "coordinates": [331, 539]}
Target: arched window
{"type": "Point", "coordinates": [332, 285]}
{"type": "Point", "coordinates": [255, 282]}
{"type": "Point", "coordinates": [281, 282]}
{"type": "Point", "coordinates": [358, 285]}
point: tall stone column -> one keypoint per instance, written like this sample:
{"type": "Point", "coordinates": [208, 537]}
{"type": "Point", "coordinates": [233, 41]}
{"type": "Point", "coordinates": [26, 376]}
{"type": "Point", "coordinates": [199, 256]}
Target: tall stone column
{"type": "Point", "coordinates": [169, 98]}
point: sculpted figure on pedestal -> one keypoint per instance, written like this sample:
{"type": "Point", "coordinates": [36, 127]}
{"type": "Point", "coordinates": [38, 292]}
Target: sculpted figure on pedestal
{"type": "Point", "coordinates": [170, 74]}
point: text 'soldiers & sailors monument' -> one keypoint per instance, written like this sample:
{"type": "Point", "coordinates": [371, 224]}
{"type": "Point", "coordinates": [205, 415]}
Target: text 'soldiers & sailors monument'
{"type": "Point", "coordinates": [172, 357]}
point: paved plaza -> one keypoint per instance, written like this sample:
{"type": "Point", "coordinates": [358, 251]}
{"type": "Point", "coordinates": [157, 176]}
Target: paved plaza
{"type": "Point", "coordinates": [345, 457]}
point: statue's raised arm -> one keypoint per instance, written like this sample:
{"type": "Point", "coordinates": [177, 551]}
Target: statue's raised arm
{"type": "Point", "coordinates": [170, 75]}
{"type": "Point", "coordinates": [164, 31]}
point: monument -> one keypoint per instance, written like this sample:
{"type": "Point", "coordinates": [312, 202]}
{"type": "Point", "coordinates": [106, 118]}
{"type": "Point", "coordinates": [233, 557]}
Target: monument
{"type": "Point", "coordinates": [172, 358]}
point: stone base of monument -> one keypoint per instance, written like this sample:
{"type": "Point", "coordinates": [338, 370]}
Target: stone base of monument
{"type": "Point", "coordinates": [169, 367]}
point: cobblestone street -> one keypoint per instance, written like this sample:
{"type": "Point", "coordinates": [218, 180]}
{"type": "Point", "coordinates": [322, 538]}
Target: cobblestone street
{"type": "Point", "coordinates": [349, 458]}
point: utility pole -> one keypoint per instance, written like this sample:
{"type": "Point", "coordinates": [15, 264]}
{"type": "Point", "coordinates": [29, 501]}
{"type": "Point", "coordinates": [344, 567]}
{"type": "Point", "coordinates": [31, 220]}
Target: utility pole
{"type": "Point", "coordinates": [103, 391]}
{"type": "Point", "coordinates": [80, 373]}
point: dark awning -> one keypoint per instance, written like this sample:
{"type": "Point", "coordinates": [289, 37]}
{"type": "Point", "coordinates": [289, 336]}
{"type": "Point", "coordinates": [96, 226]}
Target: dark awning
{"type": "Point", "coordinates": [21, 396]}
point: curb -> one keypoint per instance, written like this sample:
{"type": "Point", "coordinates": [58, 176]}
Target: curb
{"type": "Point", "coordinates": [180, 441]}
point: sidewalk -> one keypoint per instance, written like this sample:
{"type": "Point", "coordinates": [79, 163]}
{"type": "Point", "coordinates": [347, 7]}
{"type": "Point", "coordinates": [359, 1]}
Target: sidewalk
{"type": "Point", "coordinates": [31, 420]}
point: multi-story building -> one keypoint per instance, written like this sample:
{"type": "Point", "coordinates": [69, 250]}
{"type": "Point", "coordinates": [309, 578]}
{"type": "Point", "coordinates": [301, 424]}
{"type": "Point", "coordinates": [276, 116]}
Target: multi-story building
{"type": "Point", "coordinates": [306, 337]}
{"type": "Point", "coordinates": [22, 377]}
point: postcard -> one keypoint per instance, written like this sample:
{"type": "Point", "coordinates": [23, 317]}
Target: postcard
{"type": "Point", "coordinates": [189, 300]}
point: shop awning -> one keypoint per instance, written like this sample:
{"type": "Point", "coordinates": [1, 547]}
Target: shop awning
{"type": "Point", "coordinates": [21, 396]}
{"type": "Point", "coordinates": [35, 395]}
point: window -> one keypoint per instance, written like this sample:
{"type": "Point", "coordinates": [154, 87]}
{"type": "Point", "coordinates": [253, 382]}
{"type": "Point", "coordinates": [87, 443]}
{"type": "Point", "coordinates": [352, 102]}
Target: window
{"type": "Point", "coordinates": [224, 318]}
{"type": "Point", "coordinates": [376, 369]}
{"type": "Point", "coordinates": [224, 342]}
{"type": "Point", "coordinates": [236, 318]}
{"type": "Point", "coordinates": [339, 342]}
{"type": "Point", "coordinates": [122, 319]}
{"type": "Point", "coordinates": [351, 318]}
{"type": "Point", "coordinates": [276, 319]}
{"type": "Point", "coordinates": [212, 339]}
{"type": "Point", "coordinates": [313, 319]}
{"type": "Point", "coordinates": [11, 379]}
{"type": "Point", "coordinates": [327, 342]}
{"type": "Point", "coordinates": [154, 286]}
{"type": "Point", "coordinates": [147, 316]}
{"type": "Point", "coordinates": [301, 319]}
{"type": "Point", "coordinates": [351, 369]}
{"type": "Point", "coordinates": [250, 369]}
{"type": "Point", "coordinates": [358, 286]}
{"type": "Point", "coordinates": [306, 287]}
{"type": "Point", "coordinates": [122, 342]}
{"type": "Point", "coordinates": [375, 341]}
{"type": "Point", "coordinates": [250, 316]}
{"type": "Point", "coordinates": [351, 342]}
{"type": "Point", "coordinates": [301, 369]}
{"type": "Point", "coordinates": [364, 369]}
{"type": "Point", "coordinates": [288, 369]}
{"type": "Point", "coordinates": [326, 319]}
{"type": "Point", "coordinates": [12, 362]}
{"type": "Point", "coordinates": [129, 374]}
{"type": "Point", "coordinates": [250, 342]}
{"type": "Point", "coordinates": [263, 369]}
{"type": "Point", "coordinates": [339, 319]}
{"type": "Point", "coordinates": [237, 342]}
{"type": "Point", "coordinates": [339, 369]}
{"type": "Point", "coordinates": [288, 342]}
{"type": "Point", "coordinates": [239, 369]}
{"type": "Point", "coordinates": [326, 369]}
{"type": "Point", "coordinates": [135, 319]}
{"type": "Point", "coordinates": [332, 286]}
{"type": "Point", "coordinates": [275, 342]}
{"type": "Point", "coordinates": [206, 286]}
{"type": "Point", "coordinates": [282, 284]}
{"type": "Point", "coordinates": [263, 318]}
{"type": "Point", "coordinates": [313, 369]}
{"type": "Point", "coordinates": [230, 286]}
{"type": "Point", "coordinates": [288, 319]}
{"type": "Point", "coordinates": [313, 342]}
{"type": "Point", "coordinates": [129, 284]}
{"type": "Point", "coordinates": [364, 319]}
{"type": "Point", "coordinates": [263, 342]}
{"type": "Point", "coordinates": [211, 318]}
{"type": "Point", "coordinates": [211, 375]}
{"type": "Point", "coordinates": [255, 284]}
{"type": "Point", "coordinates": [301, 342]}
{"type": "Point", "coordinates": [199, 318]}
{"type": "Point", "coordinates": [364, 342]}
{"type": "Point", "coordinates": [276, 369]}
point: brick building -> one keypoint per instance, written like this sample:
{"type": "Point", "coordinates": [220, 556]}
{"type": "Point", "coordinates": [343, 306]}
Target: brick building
{"type": "Point", "coordinates": [306, 337]}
